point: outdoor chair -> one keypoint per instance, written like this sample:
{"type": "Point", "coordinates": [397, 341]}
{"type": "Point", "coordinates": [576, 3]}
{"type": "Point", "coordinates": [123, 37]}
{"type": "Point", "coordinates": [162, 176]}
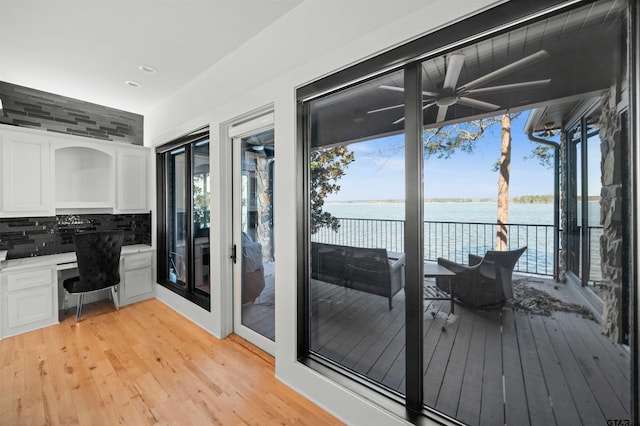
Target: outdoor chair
{"type": "Point", "coordinates": [485, 282]}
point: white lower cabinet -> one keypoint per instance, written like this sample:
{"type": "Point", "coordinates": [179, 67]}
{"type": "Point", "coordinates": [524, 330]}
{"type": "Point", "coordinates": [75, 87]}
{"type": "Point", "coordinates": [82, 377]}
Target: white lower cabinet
{"type": "Point", "coordinates": [136, 282]}
{"type": "Point", "coordinates": [28, 299]}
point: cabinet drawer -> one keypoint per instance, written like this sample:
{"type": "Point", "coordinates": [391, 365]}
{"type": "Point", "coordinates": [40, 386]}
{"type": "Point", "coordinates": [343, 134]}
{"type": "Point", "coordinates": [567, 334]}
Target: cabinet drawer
{"type": "Point", "coordinates": [29, 279]}
{"type": "Point", "coordinates": [137, 261]}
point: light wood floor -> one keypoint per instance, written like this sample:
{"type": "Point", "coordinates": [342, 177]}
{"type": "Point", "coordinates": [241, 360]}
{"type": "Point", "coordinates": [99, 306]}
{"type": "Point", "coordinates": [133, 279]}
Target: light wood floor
{"type": "Point", "coordinates": [142, 365]}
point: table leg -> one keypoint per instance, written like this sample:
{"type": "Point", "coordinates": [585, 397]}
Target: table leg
{"type": "Point", "coordinates": [451, 295]}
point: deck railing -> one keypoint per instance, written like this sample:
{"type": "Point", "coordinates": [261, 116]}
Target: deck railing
{"type": "Point", "coordinates": [451, 240]}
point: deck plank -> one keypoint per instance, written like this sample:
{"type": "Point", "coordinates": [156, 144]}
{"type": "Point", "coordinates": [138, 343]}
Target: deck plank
{"type": "Point", "coordinates": [470, 400]}
{"type": "Point", "coordinates": [605, 395]}
{"type": "Point", "coordinates": [564, 408]}
{"type": "Point", "coordinates": [492, 410]}
{"type": "Point", "coordinates": [436, 366]}
{"type": "Point", "coordinates": [540, 412]}
{"type": "Point", "coordinates": [604, 352]}
{"type": "Point", "coordinates": [516, 408]}
{"type": "Point", "coordinates": [588, 409]}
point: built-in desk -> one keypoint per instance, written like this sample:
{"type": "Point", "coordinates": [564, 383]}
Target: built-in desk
{"type": "Point", "coordinates": [31, 293]}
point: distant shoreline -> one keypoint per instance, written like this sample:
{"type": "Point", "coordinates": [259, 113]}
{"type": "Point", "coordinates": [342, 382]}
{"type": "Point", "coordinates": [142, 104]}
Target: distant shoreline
{"type": "Point", "coordinates": [525, 199]}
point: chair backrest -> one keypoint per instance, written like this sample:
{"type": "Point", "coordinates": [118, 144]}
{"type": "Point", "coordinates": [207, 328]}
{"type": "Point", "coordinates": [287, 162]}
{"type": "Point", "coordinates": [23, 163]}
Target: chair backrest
{"type": "Point", "coordinates": [504, 262]}
{"type": "Point", "coordinates": [98, 255]}
{"type": "Point", "coordinates": [506, 259]}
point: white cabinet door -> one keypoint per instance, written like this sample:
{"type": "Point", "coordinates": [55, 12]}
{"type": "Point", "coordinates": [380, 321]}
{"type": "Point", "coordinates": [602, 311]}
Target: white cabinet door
{"type": "Point", "coordinates": [137, 281]}
{"type": "Point", "coordinates": [132, 180]}
{"type": "Point", "coordinates": [138, 285]}
{"type": "Point", "coordinates": [26, 187]}
{"type": "Point", "coordinates": [28, 300]}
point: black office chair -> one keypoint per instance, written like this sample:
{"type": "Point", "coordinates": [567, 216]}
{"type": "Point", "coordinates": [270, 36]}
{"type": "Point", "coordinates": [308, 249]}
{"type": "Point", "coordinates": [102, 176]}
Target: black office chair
{"type": "Point", "coordinates": [98, 255]}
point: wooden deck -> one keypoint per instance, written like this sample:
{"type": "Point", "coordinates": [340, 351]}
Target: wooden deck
{"type": "Point", "coordinates": [481, 367]}
{"type": "Point", "coordinates": [260, 315]}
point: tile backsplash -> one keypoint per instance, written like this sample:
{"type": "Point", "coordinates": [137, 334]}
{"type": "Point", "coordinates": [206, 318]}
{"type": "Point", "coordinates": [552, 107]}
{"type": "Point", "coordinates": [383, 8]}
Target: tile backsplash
{"type": "Point", "coordinates": [27, 107]}
{"type": "Point", "coordinates": [39, 236]}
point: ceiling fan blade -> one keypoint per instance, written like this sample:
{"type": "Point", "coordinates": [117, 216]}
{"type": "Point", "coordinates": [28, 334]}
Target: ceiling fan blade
{"type": "Point", "coordinates": [507, 69]}
{"type": "Point", "coordinates": [476, 103]}
{"type": "Point", "coordinates": [428, 105]}
{"type": "Point", "coordinates": [454, 66]}
{"type": "Point", "coordinates": [385, 108]}
{"type": "Point", "coordinates": [526, 85]}
{"type": "Point", "coordinates": [401, 119]}
{"type": "Point", "coordinates": [401, 89]}
{"type": "Point", "coordinates": [442, 113]}
{"type": "Point", "coordinates": [394, 88]}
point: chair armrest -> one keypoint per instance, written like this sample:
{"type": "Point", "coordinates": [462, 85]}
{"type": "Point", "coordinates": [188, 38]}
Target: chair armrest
{"type": "Point", "coordinates": [395, 264]}
{"type": "Point", "coordinates": [452, 266]}
{"type": "Point", "coordinates": [474, 260]}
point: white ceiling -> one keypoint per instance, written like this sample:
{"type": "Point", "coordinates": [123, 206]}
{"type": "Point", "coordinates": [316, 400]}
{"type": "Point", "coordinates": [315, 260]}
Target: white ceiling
{"type": "Point", "coordinates": [87, 49]}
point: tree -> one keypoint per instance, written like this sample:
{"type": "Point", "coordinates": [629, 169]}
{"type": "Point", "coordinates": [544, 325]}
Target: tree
{"type": "Point", "coordinates": [445, 141]}
{"type": "Point", "coordinates": [328, 165]}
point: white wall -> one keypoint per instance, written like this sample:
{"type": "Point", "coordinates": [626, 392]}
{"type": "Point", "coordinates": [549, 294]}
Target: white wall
{"type": "Point", "coordinates": [313, 40]}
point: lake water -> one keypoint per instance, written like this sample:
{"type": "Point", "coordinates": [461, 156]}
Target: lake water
{"type": "Point", "coordinates": [452, 230]}
{"type": "Point", "coordinates": [449, 212]}
{"type": "Point", "coordinates": [519, 213]}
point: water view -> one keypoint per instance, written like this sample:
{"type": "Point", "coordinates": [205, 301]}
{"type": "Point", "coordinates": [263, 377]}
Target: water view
{"type": "Point", "coordinates": [454, 230]}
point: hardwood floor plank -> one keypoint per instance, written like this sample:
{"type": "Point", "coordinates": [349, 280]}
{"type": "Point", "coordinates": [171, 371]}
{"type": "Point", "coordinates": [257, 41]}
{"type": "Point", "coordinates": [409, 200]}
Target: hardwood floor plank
{"type": "Point", "coordinates": [144, 364]}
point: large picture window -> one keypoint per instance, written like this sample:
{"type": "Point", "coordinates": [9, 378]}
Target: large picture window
{"type": "Point", "coordinates": [446, 202]}
{"type": "Point", "coordinates": [184, 217]}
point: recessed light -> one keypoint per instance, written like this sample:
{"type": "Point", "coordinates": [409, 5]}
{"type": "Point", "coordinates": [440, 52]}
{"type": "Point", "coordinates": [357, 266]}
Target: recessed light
{"type": "Point", "coordinates": [148, 69]}
{"type": "Point", "coordinates": [131, 83]}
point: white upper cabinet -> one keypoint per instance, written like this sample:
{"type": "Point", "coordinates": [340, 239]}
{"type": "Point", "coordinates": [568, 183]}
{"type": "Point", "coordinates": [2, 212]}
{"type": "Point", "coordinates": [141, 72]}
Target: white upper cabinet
{"type": "Point", "coordinates": [84, 176]}
{"type": "Point", "coordinates": [45, 174]}
{"type": "Point", "coordinates": [131, 180]}
{"type": "Point", "coordinates": [26, 180]}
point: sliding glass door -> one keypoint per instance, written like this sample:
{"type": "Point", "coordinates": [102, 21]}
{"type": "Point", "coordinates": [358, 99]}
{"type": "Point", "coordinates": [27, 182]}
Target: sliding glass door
{"type": "Point", "coordinates": [372, 313]}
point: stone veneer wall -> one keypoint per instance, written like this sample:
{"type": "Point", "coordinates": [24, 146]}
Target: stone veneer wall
{"type": "Point", "coordinates": [40, 236]}
{"type": "Point", "coordinates": [26, 107]}
{"type": "Point", "coordinates": [564, 184]}
{"type": "Point", "coordinates": [612, 218]}
{"type": "Point", "coordinates": [265, 206]}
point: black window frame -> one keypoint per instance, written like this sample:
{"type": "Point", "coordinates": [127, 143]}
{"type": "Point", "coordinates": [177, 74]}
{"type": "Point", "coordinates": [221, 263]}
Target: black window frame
{"type": "Point", "coordinates": [188, 290]}
{"type": "Point", "coordinates": [486, 24]}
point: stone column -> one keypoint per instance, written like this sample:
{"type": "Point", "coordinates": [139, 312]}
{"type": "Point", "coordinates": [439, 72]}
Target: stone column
{"type": "Point", "coordinates": [612, 218]}
{"type": "Point", "coordinates": [564, 183]}
{"type": "Point", "coordinates": [264, 189]}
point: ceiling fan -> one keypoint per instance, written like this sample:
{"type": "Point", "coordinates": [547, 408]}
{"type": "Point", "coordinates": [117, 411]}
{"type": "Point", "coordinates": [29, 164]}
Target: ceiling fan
{"type": "Point", "coordinates": [452, 94]}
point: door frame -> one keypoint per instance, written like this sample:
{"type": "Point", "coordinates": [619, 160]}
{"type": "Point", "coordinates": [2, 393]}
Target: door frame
{"type": "Point", "coordinates": [251, 123]}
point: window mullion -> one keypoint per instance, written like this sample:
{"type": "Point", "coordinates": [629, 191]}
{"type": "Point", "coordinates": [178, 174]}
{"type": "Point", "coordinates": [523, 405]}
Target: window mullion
{"type": "Point", "coordinates": [413, 232]}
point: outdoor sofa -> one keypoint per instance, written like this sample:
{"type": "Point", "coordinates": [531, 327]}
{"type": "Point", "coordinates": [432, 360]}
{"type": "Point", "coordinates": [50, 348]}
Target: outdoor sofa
{"type": "Point", "coordinates": [365, 269]}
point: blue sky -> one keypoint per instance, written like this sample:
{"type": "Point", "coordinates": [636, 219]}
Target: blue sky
{"type": "Point", "coordinates": [378, 170]}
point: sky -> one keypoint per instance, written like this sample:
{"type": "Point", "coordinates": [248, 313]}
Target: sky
{"type": "Point", "coordinates": [378, 170]}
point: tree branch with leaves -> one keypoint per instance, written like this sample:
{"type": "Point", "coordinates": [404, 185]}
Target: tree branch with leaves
{"type": "Point", "coordinates": [328, 165]}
